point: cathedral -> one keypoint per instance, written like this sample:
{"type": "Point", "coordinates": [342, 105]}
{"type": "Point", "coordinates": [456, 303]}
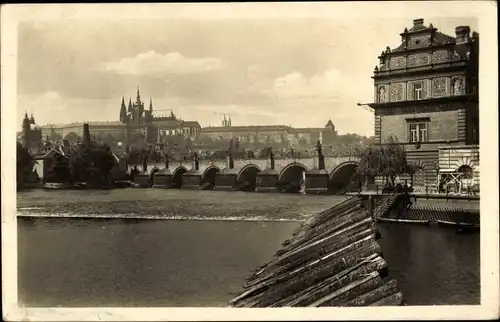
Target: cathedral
{"type": "Point", "coordinates": [136, 114]}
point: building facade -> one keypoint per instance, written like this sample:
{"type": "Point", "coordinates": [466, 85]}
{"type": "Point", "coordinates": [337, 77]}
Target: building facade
{"type": "Point", "coordinates": [269, 134]}
{"type": "Point", "coordinates": [426, 97]}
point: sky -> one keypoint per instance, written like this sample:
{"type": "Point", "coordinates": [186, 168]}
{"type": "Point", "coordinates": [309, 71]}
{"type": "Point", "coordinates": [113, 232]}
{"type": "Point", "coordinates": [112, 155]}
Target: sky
{"type": "Point", "coordinates": [288, 71]}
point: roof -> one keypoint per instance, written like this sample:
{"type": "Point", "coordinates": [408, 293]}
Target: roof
{"type": "Point", "coordinates": [91, 124]}
{"type": "Point", "coordinates": [332, 260]}
{"type": "Point", "coordinates": [329, 123]}
{"type": "Point", "coordinates": [48, 154]}
{"type": "Point", "coordinates": [246, 128]}
{"type": "Point", "coordinates": [439, 38]}
{"type": "Point", "coordinates": [191, 123]}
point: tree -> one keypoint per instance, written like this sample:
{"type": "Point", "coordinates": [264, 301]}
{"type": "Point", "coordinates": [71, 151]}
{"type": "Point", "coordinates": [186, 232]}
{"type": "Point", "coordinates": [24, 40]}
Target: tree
{"type": "Point", "coordinates": [136, 156]}
{"type": "Point", "coordinates": [92, 163]}
{"type": "Point", "coordinates": [388, 160]}
{"type": "Point", "coordinates": [72, 137]}
{"type": "Point", "coordinates": [60, 170]}
{"type": "Point", "coordinates": [24, 165]}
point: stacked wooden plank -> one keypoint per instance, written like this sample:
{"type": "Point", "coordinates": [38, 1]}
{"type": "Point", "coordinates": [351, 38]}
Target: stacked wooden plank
{"type": "Point", "coordinates": [332, 260]}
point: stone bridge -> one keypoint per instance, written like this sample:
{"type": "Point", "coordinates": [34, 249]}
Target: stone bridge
{"type": "Point", "coordinates": [338, 170]}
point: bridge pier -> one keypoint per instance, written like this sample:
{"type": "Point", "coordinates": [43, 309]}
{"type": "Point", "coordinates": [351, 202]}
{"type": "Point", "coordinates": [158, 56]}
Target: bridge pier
{"type": "Point", "coordinates": [141, 180]}
{"type": "Point", "coordinates": [226, 180]}
{"type": "Point", "coordinates": [162, 179]}
{"type": "Point", "coordinates": [267, 181]}
{"type": "Point", "coordinates": [317, 181]}
{"type": "Point", "coordinates": [191, 180]}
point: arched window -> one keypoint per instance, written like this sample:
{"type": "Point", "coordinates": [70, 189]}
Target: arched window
{"type": "Point", "coordinates": [466, 172]}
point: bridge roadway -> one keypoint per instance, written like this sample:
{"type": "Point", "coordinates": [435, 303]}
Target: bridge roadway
{"type": "Point", "coordinates": [288, 169]}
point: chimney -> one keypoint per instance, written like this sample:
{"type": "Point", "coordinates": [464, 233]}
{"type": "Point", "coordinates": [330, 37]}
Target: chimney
{"type": "Point", "coordinates": [462, 34]}
{"type": "Point", "coordinates": [418, 22]}
{"type": "Point", "coordinates": [86, 133]}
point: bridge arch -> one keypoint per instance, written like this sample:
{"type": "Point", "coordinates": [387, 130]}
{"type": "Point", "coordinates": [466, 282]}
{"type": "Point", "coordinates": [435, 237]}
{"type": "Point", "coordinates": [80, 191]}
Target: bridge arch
{"type": "Point", "coordinates": [342, 176]}
{"type": "Point", "coordinates": [292, 176]}
{"type": "Point", "coordinates": [152, 173]}
{"type": "Point", "coordinates": [177, 176]}
{"type": "Point", "coordinates": [208, 175]}
{"type": "Point", "coordinates": [248, 174]}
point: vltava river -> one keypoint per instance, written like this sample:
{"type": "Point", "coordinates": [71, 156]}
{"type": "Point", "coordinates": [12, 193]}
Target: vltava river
{"type": "Point", "coordinates": [72, 262]}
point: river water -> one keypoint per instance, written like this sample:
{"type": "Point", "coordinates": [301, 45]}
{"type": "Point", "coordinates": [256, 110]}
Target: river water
{"type": "Point", "coordinates": [178, 261]}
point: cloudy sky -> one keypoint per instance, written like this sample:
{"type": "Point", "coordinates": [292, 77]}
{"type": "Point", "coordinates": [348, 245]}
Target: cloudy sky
{"type": "Point", "coordinates": [290, 71]}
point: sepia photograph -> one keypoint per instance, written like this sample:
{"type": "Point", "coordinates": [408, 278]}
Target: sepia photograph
{"type": "Point", "coordinates": [248, 155]}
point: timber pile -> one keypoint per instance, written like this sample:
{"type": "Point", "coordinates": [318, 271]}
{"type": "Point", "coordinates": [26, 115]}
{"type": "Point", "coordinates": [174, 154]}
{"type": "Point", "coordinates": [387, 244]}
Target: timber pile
{"type": "Point", "coordinates": [332, 260]}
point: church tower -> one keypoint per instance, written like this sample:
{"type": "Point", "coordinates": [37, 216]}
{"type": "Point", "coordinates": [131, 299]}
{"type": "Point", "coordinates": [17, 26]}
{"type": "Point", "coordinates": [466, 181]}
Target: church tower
{"type": "Point", "coordinates": [26, 131]}
{"type": "Point", "coordinates": [123, 112]}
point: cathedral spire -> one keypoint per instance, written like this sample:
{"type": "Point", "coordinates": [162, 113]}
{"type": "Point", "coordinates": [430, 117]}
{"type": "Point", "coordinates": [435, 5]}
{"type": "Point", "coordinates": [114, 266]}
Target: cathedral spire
{"type": "Point", "coordinates": [138, 95]}
{"type": "Point", "coordinates": [151, 105]}
{"type": "Point", "coordinates": [123, 111]}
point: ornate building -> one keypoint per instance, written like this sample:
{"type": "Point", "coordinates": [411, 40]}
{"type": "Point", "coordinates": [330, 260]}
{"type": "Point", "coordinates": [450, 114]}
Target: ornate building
{"type": "Point", "coordinates": [426, 96]}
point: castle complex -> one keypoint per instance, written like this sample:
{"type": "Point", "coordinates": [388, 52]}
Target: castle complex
{"type": "Point", "coordinates": [135, 120]}
{"type": "Point", "coordinates": [426, 96]}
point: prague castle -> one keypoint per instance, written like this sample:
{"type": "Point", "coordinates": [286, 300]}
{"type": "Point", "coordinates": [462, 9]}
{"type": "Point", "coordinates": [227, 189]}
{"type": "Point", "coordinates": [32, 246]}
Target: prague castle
{"type": "Point", "coordinates": [426, 96]}
{"type": "Point", "coordinates": [137, 120]}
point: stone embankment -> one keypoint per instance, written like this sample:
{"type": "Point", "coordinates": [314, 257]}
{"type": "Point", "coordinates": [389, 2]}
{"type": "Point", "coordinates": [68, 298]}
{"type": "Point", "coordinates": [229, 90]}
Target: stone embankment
{"type": "Point", "coordinates": [332, 260]}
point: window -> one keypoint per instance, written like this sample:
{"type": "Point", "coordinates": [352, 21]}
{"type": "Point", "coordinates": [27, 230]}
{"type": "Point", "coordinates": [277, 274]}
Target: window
{"type": "Point", "coordinates": [418, 132]}
{"type": "Point", "coordinates": [417, 91]}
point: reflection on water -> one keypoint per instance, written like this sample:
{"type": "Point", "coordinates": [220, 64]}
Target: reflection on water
{"type": "Point", "coordinates": [129, 262]}
{"type": "Point", "coordinates": [433, 265]}
{"type": "Point", "coordinates": [71, 262]}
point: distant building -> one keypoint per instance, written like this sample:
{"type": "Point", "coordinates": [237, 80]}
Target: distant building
{"type": "Point", "coordinates": [135, 120]}
{"type": "Point", "coordinates": [426, 96]}
{"type": "Point", "coordinates": [268, 134]}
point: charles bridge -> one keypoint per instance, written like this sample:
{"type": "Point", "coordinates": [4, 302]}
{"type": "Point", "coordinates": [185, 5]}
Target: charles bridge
{"type": "Point", "coordinates": [318, 174]}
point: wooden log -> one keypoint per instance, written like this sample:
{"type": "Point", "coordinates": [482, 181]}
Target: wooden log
{"type": "Point", "coordinates": [336, 219]}
{"type": "Point", "coordinates": [314, 279]}
{"type": "Point", "coordinates": [332, 239]}
{"type": "Point", "coordinates": [343, 247]}
{"type": "Point", "coordinates": [326, 246]}
{"type": "Point", "coordinates": [383, 291]}
{"type": "Point", "coordinates": [329, 234]}
{"type": "Point", "coordinates": [328, 272]}
{"type": "Point", "coordinates": [370, 264]}
{"type": "Point", "coordinates": [327, 215]}
{"type": "Point", "coordinates": [351, 222]}
{"type": "Point", "coordinates": [392, 300]}
{"type": "Point", "coordinates": [367, 245]}
{"type": "Point", "coordinates": [372, 278]}
{"type": "Point", "coordinates": [336, 282]}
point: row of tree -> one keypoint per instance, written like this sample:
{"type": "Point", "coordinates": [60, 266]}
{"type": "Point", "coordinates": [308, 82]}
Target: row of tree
{"type": "Point", "coordinates": [91, 163]}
